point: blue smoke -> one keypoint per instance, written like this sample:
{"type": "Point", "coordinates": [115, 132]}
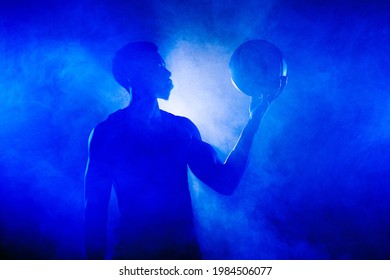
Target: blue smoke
{"type": "Point", "coordinates": [317, 184]}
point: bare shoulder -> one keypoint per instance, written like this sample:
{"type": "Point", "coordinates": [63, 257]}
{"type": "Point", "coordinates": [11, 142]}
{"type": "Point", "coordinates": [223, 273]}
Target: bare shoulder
{"type": "Point", "coordinates": [110, 124]}
{"type": "Point", "coordinates": [103, 133]}
{"type": "Point", "coordinates": [183, 123]}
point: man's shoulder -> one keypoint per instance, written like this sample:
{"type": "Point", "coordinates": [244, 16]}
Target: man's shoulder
{"type": "Point", "coordinates": [182, 122]}
{"type": "Point", "coordinates": [110, 123]}
{"type": "Point", "coordinates": [114, 118]}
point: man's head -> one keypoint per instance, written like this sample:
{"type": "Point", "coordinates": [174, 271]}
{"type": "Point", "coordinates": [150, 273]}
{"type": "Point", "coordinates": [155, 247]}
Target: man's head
{"type": "Point", "coordinates": [139, 66]}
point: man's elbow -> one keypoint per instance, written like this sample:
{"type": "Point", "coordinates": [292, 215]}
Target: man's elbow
{"type": "Point", "coordinates": [225, 187]}
{"type": "Point", "coordinates": [223, 180]}
{"type": "Point", "coordinates": [227, 192]}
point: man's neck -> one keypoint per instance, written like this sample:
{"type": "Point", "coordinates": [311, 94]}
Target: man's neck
{"type": "Point", "coordinates": [145, 108]}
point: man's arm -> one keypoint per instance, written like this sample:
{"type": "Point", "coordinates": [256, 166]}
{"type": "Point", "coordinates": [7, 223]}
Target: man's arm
{"type": "Point", "coordinates": [97, 195]}
{"type": "Point", "coordinates": [224, 177]}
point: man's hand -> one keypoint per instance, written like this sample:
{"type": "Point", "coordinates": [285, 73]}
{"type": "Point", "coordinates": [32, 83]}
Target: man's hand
{"type": "Point", "coordinates": [256, 101]}
{"type": "Point", "coordinates": [283, 82]}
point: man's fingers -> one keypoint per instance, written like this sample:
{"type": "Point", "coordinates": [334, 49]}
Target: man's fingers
{"type": "Point", "coordinates": [255, 102]}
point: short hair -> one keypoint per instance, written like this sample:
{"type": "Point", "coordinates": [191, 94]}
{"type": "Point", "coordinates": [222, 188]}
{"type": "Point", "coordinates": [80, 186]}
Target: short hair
{"type": "Point", "coordinates": [127, 58]}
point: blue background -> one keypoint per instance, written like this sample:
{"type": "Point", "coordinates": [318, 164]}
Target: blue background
{"type": "Point", "coordinates": [318, 183]}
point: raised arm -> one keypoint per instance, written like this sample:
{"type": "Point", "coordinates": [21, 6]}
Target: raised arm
{"type": "Point", "coordinates": [224, 177]}
{"type": "Point", "coordinates": [97, 195]}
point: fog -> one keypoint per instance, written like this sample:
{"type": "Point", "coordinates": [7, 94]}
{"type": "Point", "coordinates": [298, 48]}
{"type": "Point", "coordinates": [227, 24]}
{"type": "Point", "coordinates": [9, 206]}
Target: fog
{"type": "Point", "coordinates": [317, 186]}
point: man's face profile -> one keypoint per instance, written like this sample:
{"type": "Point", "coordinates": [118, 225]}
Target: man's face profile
{"type": "Point", "coordinates": [151, 76]}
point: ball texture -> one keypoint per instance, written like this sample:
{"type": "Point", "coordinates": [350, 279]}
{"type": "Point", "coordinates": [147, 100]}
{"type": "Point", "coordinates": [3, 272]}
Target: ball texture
{"type": "Point", "coordinates": [256, 67]}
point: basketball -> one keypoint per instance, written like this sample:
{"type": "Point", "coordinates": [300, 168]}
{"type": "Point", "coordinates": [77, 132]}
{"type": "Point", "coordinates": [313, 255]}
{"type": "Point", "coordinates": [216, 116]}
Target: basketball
{"type": "Point", "coordinates": [256, 68]}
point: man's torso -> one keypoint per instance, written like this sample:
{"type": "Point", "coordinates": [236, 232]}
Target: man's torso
{"type": "Point", "coordinates": [148, 166]}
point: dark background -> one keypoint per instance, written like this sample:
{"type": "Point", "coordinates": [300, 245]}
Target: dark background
{"type": "Point", "coordinates": [318, 183]}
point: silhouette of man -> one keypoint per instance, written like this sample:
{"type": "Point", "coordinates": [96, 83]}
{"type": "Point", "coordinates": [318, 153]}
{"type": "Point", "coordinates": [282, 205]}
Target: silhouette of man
{"type": "Point", "coordinates": [144, 153]}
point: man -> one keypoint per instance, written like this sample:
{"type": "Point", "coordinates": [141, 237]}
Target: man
{"type": "Point", "coordinates": [144, 153]}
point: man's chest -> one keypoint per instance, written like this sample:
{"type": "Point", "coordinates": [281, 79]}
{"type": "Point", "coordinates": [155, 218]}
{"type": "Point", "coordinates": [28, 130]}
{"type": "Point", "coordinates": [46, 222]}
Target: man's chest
{"type": "Point", "coordinates": [154, 144]}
